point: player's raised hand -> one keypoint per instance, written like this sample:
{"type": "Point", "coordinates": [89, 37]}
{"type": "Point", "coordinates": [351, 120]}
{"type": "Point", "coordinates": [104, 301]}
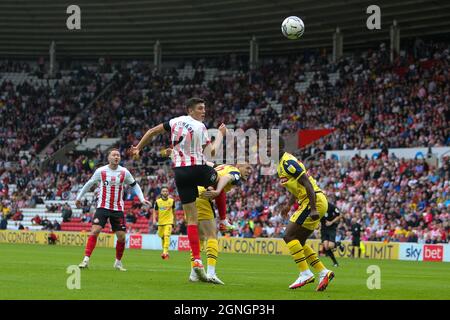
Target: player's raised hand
{"type": "Point", "coordinates": [134, 151]}
{"type": "Point", "coordinates": [147, 203]}
{"type": "Point", "coordinates": [223, 129]}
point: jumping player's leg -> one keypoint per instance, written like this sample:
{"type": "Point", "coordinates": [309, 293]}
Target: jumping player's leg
{"type": "Point", "coordinates": [187, 179]}
{"type": "Point", "coordinates": [192, 228]}
{"type": "Point", "coordinates": [209, 232]}
{"type": "Point", "coordinates": [201, 233]}
{"type": "Point", "coordinates": [194, 240]}
{"type": "Point", "coordinates": [299, 229]}
{"type": "Point", "coordinates": [311, 256]}
{"type": "Point", "coordinates": [221, 202]}
{"type": "Point", "coordinates": [187, 189]}
{"type": "Point", "coordinates": [292, 240]}
{"type": "Point", "coordinates": [325, 275]}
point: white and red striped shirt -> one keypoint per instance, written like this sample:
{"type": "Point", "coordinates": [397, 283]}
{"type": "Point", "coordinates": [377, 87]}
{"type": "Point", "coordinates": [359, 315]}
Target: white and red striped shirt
{"type": "Point", "coordinates": [188, 137]}
{"type": "Point", "coordinates": [111, 187]}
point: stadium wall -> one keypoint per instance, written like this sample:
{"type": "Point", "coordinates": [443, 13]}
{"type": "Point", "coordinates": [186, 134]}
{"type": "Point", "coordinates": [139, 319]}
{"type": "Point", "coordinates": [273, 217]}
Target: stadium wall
{"type": "Point", "coordinates": [270, 246]}
{"type": "Point", "coordinates": [64, 238]}
{"type": "Point", "coordinates": [407, 153]}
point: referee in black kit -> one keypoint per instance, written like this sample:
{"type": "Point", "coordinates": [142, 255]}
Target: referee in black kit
{"type": "Point", "coordinates": [328, 228]}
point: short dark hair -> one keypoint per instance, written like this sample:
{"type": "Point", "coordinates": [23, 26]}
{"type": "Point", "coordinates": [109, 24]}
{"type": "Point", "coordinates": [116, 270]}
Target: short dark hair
{"type": "Point", "coordinates": [113, 149]}
{"type": "Point", "coordinates": [165, 187]}
{"type": "Point", "coordinates": [192, 102]}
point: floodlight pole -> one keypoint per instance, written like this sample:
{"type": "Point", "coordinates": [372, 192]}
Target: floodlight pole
{"type": "Point", "coordinates": [395, 40]}
{"type": "Point", "coordinates": [338, 44]}
{"type": "Point", "coordinates": [52, 53]}
{"type": "Point", "coordinates": [254, 53]}
{"type": "Point", "coordinates": [157, 55]}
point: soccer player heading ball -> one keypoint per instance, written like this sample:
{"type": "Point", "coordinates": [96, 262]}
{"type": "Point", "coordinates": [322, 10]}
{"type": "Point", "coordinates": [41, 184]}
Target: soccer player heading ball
{"type": "Point", "coordinates": [189, 140]}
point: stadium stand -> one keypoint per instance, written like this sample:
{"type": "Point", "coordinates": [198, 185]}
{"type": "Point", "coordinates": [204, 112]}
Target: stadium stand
{"type": "Point", "coordinates": [371, 102]}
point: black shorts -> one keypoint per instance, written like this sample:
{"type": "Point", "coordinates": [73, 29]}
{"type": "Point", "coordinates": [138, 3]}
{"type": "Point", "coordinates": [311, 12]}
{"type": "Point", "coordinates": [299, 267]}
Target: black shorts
{"type": "Point", "coordinates": [116, 219]}
{"type": "Point", "coordinates": [187, 180]}
{"type": "Point", "coordinates": [328, 235]}
{"type": "Point", "coordinates": [356, 242]}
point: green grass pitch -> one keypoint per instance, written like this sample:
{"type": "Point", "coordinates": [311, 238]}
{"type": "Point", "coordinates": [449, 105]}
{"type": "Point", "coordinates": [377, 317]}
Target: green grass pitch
{"type": "Point", "coordinates": [39, 272]}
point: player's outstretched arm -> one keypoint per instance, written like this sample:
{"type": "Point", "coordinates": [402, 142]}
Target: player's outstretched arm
{"type": "Point", "coordinates": [87, 186]}
{"type": "Point", "coordinates": [223, 181]}
{"type": "Point", "coordinates": [159, 129]}
{"type": "Point", "coordinates": [137, 189]}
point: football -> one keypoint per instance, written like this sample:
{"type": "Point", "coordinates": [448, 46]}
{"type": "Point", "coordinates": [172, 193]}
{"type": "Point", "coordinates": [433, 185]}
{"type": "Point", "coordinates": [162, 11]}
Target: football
{"type": "Point", "coordinates": [292, 27]}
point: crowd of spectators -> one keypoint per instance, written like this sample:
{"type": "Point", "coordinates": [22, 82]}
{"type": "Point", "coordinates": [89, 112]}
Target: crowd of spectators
{"type": "Point", "coordinates": [32, 115]}
{"type": "Point", "coordinates": [373, 104]}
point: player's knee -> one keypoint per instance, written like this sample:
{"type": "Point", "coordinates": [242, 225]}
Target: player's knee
{"type": "Point", "coordinates": [288, 238]}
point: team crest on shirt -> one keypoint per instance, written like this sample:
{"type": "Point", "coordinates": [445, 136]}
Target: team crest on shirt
{"type": "Point", "coordinates": [291, 169]}
{"type": "Point", "coordinates": [106, 183]}
{"type": "Point", "coordinates": [96, 220]}
{"type": "Point", "coordinates": [213, 177]}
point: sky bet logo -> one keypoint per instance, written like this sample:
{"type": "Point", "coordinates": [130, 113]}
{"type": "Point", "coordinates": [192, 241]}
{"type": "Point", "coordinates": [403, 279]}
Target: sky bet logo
{"type": "Point", "coordinates": [414, 253]}
{"type": "Point", "coordinates": [433, 253]}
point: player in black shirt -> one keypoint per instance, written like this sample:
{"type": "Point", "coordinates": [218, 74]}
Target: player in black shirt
{"type": "Point", "coordinates": [356, 237]}
{"type": "Point", "coordinates": [329, 225]}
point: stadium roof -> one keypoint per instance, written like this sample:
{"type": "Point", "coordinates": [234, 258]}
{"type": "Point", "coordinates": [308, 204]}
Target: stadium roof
{"type": "Point", "coordinates": [204, 27]}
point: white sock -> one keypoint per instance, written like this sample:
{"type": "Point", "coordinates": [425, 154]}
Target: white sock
{"type": "Point", "coordinates": [307, 273]}
{"type": "Point", "coordinates": [324, 272]}
{"type": "Point", "coordinates": [193, 274]}
{"type": "Point", "coordinates": [211, 270]}
{"type": "Point", "coordinates": [118, 261]}
{"type": "Point", "coordinates": [86, 259]}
